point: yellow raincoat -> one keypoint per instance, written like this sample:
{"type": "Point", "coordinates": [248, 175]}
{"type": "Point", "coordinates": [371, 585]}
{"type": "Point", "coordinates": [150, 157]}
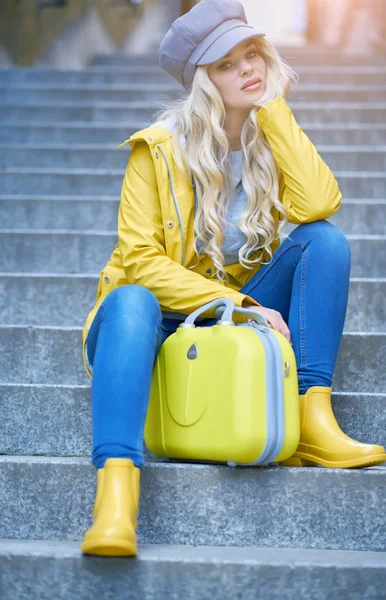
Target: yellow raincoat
{"type": "Point", "coordinates": [156, 217]}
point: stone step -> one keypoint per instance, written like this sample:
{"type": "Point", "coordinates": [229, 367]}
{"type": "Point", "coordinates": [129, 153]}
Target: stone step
{"type": "Point", "coordinates": [334, 75]}
{"type": "Point", "coordinates": [22, 294]}
{"type": "Point", "coordinates": [349, 92]}
{"type": "Point", "coordinates": [32, 299]}
{"type": "Point", "coordinates": [38, 569]}
{"type": "Point", "coordinates": [315, 112]}
{"type": "Point", "coordinates": [367, 217]}
{"type": "Point", "coordinates": [88, 156]}
{"type": "Point", "coordinates": [56, 358]}
{"type": "Point", "coordinates": [295, 57]}
{"type": "Point", "coordinates": [67, 212]}
{"type": "Point", "coordinates": [356, 216]}
{"type": "Point", "coordinates": [133, 91]}
{"type": "Point", "coordinates": [57, 251]}
{"type": "Point", "coordinates": [27, 132]}
{"type": "Point", "coordinates": [55, 420]}
{"type": "Point", "coordinates": [201, 504]}
{"type": "Point", "coordinates": [47, 181]}
{"type": "Point", "coordinates": [359, 75]}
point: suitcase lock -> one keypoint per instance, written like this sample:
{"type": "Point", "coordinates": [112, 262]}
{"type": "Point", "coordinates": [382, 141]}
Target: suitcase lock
{"type": "Point", "coordinates": [192, 352]}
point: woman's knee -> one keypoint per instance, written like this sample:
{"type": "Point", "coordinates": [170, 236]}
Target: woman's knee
{"type": "Point", "coordinates": [127, 306]}
{"type": "Point", "coordinates": [132, 300]}
{"type": "Point", "coordinates": [328, 235]}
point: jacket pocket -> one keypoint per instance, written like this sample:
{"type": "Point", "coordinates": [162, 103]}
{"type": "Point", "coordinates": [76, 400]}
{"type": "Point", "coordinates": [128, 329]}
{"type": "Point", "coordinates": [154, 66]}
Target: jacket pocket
{"type": "Point", "coordinates": [110, 278]}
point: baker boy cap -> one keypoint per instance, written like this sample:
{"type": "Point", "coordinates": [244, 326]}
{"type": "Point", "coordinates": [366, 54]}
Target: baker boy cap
{"type": "Point", "coordinates": [202, 36]}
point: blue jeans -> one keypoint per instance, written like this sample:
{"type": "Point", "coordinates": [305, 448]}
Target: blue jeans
{"type": "Point", "coordinates": [307, 282]}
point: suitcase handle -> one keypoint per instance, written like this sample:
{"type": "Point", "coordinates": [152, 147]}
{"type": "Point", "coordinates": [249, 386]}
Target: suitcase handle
{"type": "Point", "coordinates": [260, 319]}
{"type": "Point", "coordinates": [226, 304]}
{"type": "Point", "coordinates": [225, 310]}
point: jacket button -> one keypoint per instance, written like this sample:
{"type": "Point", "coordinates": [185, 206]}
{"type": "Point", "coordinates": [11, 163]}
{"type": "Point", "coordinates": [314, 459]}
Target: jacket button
{"type": "Point", "coordinates": [107, 279]}
{"type": "Point", "coordinates": [208, 271]}
{"type": "Point", "coordinates": [156, 154]}
{"type": "Point", "coordinates": [170, 224]}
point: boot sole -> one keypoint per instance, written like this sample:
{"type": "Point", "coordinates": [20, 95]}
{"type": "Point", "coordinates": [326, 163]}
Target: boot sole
{"type": "Point", "coordinates": [311, 461]}
{"type": "Point", "coordinates": [110, 547]}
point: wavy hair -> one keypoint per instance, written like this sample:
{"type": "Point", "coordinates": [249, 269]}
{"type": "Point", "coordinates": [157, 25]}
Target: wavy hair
{"type": "Point", "coordinates": [198, 116]}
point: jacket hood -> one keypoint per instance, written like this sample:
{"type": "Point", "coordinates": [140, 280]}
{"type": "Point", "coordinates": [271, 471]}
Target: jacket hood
{"type": "Point", "coordinates": [154, 134]}
{"type": "Point", "coordinates": [157, 133]}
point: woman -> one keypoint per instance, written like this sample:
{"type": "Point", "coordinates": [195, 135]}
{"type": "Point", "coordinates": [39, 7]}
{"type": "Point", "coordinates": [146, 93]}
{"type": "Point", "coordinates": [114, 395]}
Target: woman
{"type": "Point", "coordinates": [202, 197]}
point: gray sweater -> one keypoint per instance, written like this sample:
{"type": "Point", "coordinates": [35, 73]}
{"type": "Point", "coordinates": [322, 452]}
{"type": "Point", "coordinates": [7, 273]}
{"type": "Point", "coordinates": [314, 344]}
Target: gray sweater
{"type": "Point", "coordinates": [233, 237]}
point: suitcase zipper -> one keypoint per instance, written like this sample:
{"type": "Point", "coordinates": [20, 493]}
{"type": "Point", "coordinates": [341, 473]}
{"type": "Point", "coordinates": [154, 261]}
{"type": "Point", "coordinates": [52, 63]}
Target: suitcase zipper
{"type": "Point", "coordinates": [268, 453]}
{"type": "Point", "coordinates": [275, 410]}
{"type": "Point", "coordinates": [279, 394]}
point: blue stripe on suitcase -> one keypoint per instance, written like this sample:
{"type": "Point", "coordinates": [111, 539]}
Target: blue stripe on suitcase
{"type": "Point", "coordinates": [280, 400]}
{"type": "Point", "coordinates": [275, 425]}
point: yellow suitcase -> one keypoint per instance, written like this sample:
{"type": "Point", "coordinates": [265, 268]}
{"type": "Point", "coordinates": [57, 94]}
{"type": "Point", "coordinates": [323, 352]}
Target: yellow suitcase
{"type": "Point", "coordinates": [224, 393]}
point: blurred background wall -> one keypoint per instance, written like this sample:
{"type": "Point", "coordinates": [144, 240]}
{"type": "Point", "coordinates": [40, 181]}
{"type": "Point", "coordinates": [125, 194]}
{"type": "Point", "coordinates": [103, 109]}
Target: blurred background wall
{"type": "Point", "coordinates": [68, 33]}
{"type": "Point", "coordinates": [285, 21]}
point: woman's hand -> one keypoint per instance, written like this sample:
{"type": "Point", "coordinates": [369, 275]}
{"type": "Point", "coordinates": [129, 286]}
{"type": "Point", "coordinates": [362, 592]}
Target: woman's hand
{"type": "Point", "coordinates": [274, 318]}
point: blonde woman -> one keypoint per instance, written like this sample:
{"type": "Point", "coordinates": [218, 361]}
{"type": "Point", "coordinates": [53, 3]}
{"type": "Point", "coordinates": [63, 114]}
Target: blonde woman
{"type": "Point", "coordinates": [208, 189]}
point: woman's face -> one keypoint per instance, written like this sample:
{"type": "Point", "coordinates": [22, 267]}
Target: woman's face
{"type": "Point", "coordinates": [233, 71]}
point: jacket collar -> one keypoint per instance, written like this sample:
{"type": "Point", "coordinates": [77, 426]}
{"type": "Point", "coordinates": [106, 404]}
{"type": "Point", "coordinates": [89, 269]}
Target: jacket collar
{"type": "Point", "coordinates": [153, 135]}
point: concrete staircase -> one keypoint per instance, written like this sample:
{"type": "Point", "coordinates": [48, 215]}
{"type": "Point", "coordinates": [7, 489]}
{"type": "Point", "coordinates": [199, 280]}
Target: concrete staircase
{"type": "Point", "coordinates": [205, 531]}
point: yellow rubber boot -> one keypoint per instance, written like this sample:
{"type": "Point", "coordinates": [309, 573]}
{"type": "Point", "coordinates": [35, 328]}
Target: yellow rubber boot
{"type": "Point", "coordinates": [322, 442]}
{"type": "Point", "coordinates": [100, 474]}
{"type": "Point", "coordinates": [114, 530]}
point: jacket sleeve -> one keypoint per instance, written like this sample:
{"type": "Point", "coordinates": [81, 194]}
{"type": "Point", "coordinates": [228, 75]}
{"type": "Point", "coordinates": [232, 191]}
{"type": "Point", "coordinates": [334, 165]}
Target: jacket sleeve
{"type": "Point", "coordinates": [308, 189]}
{"type": "Point", "coordinates": [141, 241]}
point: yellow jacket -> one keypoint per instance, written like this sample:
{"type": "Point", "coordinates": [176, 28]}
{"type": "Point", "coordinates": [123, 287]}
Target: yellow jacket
{"type": "Point", "coordinates": [156, 217]}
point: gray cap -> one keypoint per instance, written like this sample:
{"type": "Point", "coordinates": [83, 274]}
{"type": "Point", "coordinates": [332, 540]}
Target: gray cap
{"type": "Point", "coordinates": [202, 36]}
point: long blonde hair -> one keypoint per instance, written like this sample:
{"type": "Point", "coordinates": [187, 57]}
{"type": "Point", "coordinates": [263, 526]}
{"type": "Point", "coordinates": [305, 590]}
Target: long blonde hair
{"type": "Point", "coordinates": [198, 117]}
